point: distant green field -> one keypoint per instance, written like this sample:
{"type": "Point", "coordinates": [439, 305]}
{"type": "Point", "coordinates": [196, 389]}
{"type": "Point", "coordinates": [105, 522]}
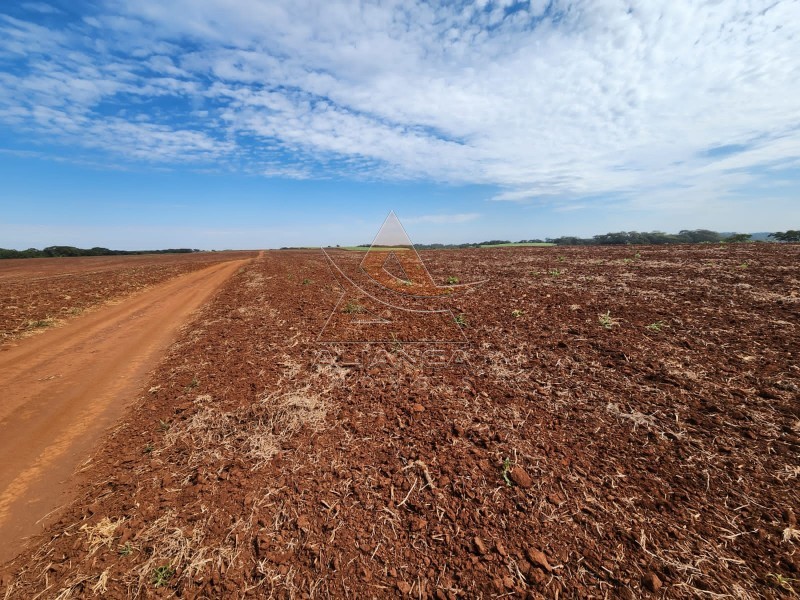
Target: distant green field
{"type": "Point", "coordinates": [516, 244]}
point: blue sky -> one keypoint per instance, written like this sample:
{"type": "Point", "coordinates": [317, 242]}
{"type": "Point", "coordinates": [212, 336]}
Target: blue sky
{"type": "Point", "coordinates": [218, 124]}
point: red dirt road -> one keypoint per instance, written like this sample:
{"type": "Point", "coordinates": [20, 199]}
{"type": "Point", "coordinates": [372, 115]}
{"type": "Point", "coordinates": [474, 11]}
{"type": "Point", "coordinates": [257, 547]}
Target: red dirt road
{"type": "Point", "coordinates": [61, 390]}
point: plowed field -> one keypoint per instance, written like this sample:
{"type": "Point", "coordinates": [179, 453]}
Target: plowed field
{"type": "Point", "coordinates": [624, 423]}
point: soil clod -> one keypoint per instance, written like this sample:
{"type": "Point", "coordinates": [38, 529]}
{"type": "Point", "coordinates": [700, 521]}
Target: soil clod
{"type": "Point", "coordinates": [651, 582]}
{"type": "Point", "coordinates": [538, 559]}
{"type": "Point", "coordinates": [520, 477]}
{"type": "Point", "coordinates": [480, 546]}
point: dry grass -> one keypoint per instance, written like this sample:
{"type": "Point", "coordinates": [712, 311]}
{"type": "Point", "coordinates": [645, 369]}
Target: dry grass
{"type": "Point", "coordinates": [256, 431]}
{"type": "Point", "coordinates": [791, 534]}
{"type": "Point", "coordinates": [637, 418]}
{"type": "Point", "coordinates": [184, 550]}
{"type": "Point", "coordinates": [102, 534]}
{"type": "Point", "coordinates": [73, 589]}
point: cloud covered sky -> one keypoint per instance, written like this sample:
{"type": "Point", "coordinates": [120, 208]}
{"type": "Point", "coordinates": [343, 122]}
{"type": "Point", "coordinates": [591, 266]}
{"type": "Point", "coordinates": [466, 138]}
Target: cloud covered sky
{"type": "Point", "coordinates": [300, 122]}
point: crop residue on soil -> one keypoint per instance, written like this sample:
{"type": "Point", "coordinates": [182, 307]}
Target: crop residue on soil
{"type": "Point", "coordinates": [61, 391]}
{"type": "Point", "coordinates": [627, 426]}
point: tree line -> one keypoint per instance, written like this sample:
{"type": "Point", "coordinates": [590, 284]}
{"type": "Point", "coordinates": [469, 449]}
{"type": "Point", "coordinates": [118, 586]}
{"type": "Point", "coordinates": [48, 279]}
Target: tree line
{"type": "Point", "coordinates": [63, 251]}
{"type": "Point", "coordinates": [793, 235]}
{"type": "Point", "coordinates": [685, 236]}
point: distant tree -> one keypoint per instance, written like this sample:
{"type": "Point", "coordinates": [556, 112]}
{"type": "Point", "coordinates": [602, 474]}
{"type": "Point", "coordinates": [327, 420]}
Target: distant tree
{"type": "Point", "coordinates": [738, 238]}
{"type": "Point", "coordinates": [637, 237]}
{"type": "Point", "coordinates": [62, 251]}
{"type": "Point", "coordinates": [659, 237]}
{"type": "Point", "coordinates": [697, 236]}
{"type": "Point", "coordinates": [619, 238]}
{"type": "Point", "coordinates": [792, 235]}
{"type": "Point", "coordinates": [59, 251]}
{"type": "Point", "coordinates": [570, 240]}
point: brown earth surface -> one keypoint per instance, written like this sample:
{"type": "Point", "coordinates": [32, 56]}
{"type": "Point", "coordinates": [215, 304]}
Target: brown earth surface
{"type": "Point", "coordinates": [38, 293]}
{"type": "Point", "coordinates": [63, 389]}
{"type": "Point", "coordinates": [624, 424]}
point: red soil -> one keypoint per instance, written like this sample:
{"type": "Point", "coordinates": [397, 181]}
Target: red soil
{"type": "Point", "coordinates": [626, 425]}
{"type": "Point", "coordinates": [38, 293]}
{"type": "Point", "coordinates": [63, 389]}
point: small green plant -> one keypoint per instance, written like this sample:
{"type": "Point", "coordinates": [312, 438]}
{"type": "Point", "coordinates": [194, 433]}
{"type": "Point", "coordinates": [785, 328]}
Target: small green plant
{"type": "Point", "coordinates": [505, 471]}
{"type": "Point", "coordinates": [606, 320]}
{"type": "Point", "coordinates": [637, 256]}
{"type": "Point", "coordinates": [452, 280]}
{"type": "Point", "coordinates": [657, 326]}
{"type": "Point", "coordinates": [164, 425]}
{"type": "Point", "coordinates": [407, 282]}
{"type": "Point", "coordinates": [782, 582]}
{"type": "Point", "coordinates": [744, 265]}
{"type": "Point", "coordinates": [306, 281]}
{"type": "Point", "coordinates": [517, 313]}
{"type": "Point", "coordinates": [352, 308]}
{"type": "Point", "coordinates": [126, 550]}
{"type": "Point", "coordinates": [162, 575]}
{"type": "Point", "coordinates": [555, 272]}
{"type": "Point", "coordinates": [534, 273]}
{"type": "Point", "coordinates": [560, 259]}
{"type": "Point", "coordinates": [148, 448]}
{"type": "Point", "coordinates": [461, 319]}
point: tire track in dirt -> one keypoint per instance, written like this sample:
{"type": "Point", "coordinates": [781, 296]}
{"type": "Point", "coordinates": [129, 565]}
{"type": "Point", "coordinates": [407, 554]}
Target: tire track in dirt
{"type": "Point", "coordinates": [61, 390]}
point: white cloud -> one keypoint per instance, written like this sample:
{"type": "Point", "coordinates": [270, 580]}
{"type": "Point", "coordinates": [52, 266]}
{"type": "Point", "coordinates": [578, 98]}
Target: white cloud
{"type": "Point", "coordinates": [40, 7]}
{"type": "Point", "coordinates": [554, 101]}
